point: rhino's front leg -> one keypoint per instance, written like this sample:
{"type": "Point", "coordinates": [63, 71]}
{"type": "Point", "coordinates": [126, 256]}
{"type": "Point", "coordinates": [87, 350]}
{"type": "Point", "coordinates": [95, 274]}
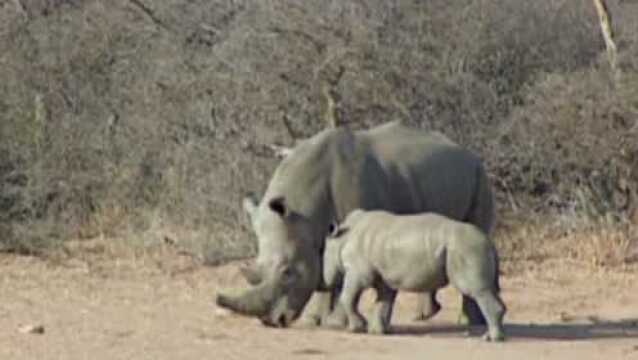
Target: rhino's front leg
{"type": "Point", "coordinates": [337, 318]}
{"type": "Point", "coordinates": [349, 299]}
{"type": "Point", "coordinates": [317, 309]}
{"type": "Point", "coordinates": [380, 321]}
{"type": "Point", "coordinates": [427, 306]}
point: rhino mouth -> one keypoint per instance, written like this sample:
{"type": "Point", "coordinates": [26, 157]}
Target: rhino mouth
{"type": "Point", "coordinates": [281, 315]}
{"type": "Point", "coordinates": [281, 320]}
{"type": "Point", "coordinates": [257, 302]}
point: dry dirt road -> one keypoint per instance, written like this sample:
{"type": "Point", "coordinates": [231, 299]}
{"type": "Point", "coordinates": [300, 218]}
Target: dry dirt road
{"type": "Point", "coordinates": [160, 307]}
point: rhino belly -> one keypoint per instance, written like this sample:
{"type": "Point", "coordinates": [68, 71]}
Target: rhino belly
{"type": "Point", "coordinates": [411, 268]}
{"type": "Point", "coordinates": [417, 280]}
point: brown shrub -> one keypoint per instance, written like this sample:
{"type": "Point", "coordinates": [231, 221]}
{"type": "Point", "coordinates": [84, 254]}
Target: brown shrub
{"type": "Point", "coordinates": [153, 118]}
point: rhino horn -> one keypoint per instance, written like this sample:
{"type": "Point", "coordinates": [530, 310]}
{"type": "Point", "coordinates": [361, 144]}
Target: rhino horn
{"type": "Point", "coordinates": [253, 302]}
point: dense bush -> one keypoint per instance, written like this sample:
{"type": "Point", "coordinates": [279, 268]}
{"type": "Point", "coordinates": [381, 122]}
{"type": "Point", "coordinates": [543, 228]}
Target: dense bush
{"type": "Point", "coordinates": [152, 119]}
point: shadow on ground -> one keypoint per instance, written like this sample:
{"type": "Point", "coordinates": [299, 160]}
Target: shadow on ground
{"type": "Point", "coordinates": [624, 328]}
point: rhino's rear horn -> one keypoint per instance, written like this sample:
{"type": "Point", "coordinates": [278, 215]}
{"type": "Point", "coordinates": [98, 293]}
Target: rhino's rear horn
{"type": "Point", "coordinates": [252, 275]}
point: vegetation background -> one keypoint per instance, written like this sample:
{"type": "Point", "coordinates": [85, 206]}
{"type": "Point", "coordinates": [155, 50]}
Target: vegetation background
{"type": "Point", "coordinates": [149, 120]}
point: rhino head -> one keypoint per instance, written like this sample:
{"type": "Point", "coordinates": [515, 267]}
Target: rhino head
{"type": "Point", "coordinates": [288, 267]}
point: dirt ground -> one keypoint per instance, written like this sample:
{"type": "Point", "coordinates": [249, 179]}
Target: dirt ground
{"type": "Point", "coordinates": [161, 307]}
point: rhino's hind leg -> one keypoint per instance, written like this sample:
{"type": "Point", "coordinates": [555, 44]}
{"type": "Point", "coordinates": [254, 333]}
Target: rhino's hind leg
{"type": "Point", "coordinates": [427, 306]}
{"type": "Point", "coordinates": [494, 310]}
{"type": "Point", "coordinates": [380, 321]}
{"type": "Point", "coordinates": [471, 312]}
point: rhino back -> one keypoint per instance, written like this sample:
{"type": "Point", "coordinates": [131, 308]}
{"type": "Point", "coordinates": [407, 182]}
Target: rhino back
{"type": "Point", "coordinates": [390, 167]}
{"type": "Point", "coordinates": [405, 171]}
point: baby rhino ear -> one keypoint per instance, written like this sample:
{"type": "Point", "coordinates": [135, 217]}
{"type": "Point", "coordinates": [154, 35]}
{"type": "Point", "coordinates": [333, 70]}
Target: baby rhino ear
{"type": "Point", "coordinates": [335, 230]}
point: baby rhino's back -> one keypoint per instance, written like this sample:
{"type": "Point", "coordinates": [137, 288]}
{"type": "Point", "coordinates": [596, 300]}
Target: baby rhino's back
{"type": "Point", "coordinates": [409, 251]}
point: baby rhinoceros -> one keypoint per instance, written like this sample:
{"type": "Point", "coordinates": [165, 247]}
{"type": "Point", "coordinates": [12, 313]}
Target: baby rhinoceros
{"type": "Point", "coordinates": [416, 253]}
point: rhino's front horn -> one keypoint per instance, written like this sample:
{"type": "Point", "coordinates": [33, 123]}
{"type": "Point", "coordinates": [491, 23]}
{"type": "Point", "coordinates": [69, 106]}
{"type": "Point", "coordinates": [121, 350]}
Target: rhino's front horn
{"type": "Point", "coordinates": [254, 302]}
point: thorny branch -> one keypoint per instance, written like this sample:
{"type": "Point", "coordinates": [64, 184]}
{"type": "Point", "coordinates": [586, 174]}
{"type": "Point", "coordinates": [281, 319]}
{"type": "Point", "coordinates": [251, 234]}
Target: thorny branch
{"type": "Point", "coordinates": [149, 13]}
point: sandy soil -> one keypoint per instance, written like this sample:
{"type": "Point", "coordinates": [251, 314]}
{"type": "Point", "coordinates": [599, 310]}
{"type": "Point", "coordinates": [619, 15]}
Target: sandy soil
{"type": "Point", "coordinates": [160, 307]}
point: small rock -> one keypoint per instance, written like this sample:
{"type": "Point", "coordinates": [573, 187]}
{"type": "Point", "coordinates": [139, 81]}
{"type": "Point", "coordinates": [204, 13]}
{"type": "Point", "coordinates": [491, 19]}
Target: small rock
{"type": "Point", "coordinates": [221, 312]}
{"type": "Point", "coordinates": [31, 329]}
{"type": "Point", "coordinates": [565, 317]}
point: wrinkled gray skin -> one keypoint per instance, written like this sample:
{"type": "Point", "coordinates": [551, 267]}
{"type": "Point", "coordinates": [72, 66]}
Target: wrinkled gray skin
{"type": "Point", "coordinates": [390, 167]}
{"type": "Point", "coordinates": [420, 252]}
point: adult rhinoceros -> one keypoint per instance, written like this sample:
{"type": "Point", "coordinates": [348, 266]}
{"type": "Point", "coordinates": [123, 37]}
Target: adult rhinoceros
{"type": "Point", "coordinates": [390, 167]}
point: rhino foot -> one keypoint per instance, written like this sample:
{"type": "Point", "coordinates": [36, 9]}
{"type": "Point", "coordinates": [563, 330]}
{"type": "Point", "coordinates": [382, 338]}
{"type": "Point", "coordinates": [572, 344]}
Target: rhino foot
{"type": "Point", "coordinates": [358, 325]}
{"type": "Point", "coordinates": [334, 321]}
{"type": "Point", "coordinates": [493, 336]}
{"type": "Point", "coordinates": [377, 328]}
{"type": "Point", "coordinates": [310, 321]}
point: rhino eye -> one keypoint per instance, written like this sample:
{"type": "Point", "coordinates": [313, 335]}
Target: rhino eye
{"type": "Point", "coordinates": [288, 272]}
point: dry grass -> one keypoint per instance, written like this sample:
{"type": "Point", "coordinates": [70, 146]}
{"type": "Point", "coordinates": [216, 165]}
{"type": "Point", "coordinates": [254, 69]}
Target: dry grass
{"type": "Point", "coordinates": [594, 244]}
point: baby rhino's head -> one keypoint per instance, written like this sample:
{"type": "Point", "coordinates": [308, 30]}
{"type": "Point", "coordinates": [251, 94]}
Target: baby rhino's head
{"type": "Point", "coordinates": [332, 266]}
{"type": "Point", "coordinates": [338, 235]}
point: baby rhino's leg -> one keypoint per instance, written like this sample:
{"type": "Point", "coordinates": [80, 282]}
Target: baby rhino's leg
{"type": "Point", "coordinates": [380, 322]}
{"type": "Point", "coordinates": [336, 318]}
{"type": "Point", "coordinates": [475, 286]}
{"type": "Point", "coordinates": [353, 285]}
{"type": "Point", "coordinates": [493, 310]}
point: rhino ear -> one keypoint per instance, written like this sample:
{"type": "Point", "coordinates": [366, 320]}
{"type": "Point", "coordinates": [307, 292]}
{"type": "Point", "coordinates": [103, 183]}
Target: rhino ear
{"type": "Point", "coordinates": [250, 204]}
{"type": "Point", "coordinates": [278, 205]}
{"type": "Point", "coordinates": [335, 230]}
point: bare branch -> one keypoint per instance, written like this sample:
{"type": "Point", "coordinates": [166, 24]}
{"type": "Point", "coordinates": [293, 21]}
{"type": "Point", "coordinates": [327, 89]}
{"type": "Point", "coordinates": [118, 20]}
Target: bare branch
{"type": "Point", "coordinates": [316, 43]}
{"type": "Point", "coordinates": [330, 95]}
{"type": "Point", "coordinates": [288, 127]}
{"type": "Point", "coordinates": [20, 7]}
{"type": "Point", "coordinates": [606, 28]}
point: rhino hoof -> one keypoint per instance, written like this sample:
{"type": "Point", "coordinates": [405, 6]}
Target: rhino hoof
{"type": "Point", "coordinates": [334, 322]}
{"type": "Point", "coordinates": [310, 321]}
{"type": "Point", "coordinates": [377, 329]}
{"type": "Point", "coordinates": [358, 327]}
{"type": "Point", "coordinates": [498, 337]}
